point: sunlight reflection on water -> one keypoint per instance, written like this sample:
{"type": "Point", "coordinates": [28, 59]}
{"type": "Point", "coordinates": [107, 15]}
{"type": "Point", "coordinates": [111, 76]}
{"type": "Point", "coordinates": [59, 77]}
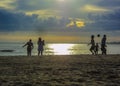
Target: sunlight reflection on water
{"type": "Point", "coordinates": [55, 49]}
{"type": "Point", "coordinates": [66, 49]}
{"type": "Point", "coordinates": [61, 49]}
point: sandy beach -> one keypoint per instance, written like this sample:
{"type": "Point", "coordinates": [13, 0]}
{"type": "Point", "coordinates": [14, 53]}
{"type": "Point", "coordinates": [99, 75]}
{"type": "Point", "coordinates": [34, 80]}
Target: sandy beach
{"type": "Point", "coordinates": [60, 70]}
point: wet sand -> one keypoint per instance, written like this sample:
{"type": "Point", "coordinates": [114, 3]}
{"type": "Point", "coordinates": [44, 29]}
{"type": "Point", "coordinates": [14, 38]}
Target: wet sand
{"type": "Point", "coordinates": [62, 70]}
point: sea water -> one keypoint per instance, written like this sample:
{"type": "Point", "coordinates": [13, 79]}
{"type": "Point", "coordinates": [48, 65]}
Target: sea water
{"type": "Point", "coordinates": [54, 49]}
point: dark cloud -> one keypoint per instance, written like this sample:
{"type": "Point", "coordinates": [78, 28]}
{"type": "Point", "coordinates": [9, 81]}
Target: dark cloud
{"type": "Point", "coordinates": [109, 3]}
{"type": "Point", "coordinates": [70, 8]}
{"type": "Point", "coordinates": [11, 21]}
{"type": "Point", "coordinates": [106, 22]}
{"type": "Point", "coordinates": [20, 22]}
{"type": "Point", "coordinates": [16, 21]}
{"type": "Point", "coordinates": [35, 4]}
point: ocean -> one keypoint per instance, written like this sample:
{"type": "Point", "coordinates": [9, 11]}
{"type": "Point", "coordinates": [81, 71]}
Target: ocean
{"type": "Point", "coordinates": [54, 49]}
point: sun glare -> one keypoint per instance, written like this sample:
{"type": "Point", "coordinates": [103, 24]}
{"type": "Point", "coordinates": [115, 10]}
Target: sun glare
{"type": "Point", "coordinates": [61, 0]}
{"type": "Point", "coordinates": [61, 49]}
{"type": "Point", "coordinates": [80, 24]}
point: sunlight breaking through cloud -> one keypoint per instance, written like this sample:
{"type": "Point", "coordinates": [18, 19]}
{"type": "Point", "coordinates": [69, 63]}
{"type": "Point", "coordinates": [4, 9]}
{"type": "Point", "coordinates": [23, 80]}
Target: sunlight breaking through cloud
{"type": "Point", "coordinates": [93, 8]}
{"type": "Point", "coordinates": [43, 13]}
{"type": "Point", "coordinates": [78, 24]}
{"type": "Point", "coordinates": [7, 4]}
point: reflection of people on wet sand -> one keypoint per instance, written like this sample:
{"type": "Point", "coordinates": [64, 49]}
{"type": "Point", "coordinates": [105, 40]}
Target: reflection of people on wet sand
{"type": "Point", "coordinates": [96, 48]}
{"type": "Point", "coordinates": [30, 46]}
{"type": "Point", "coordinates": [40, 46]}
{"type": "Point", "coordinates": [92, 45]}
{"type": "Point", "coordinates": [103, 45]}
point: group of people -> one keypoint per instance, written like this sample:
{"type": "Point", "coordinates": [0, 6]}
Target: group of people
{"type": "Point", "coordinates": [30, 46]}
{"type": "Point", "coordinates": [95, 47]}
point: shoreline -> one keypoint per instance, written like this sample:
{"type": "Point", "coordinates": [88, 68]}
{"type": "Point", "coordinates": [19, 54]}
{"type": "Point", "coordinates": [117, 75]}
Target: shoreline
{"type": "Point", "coordinates": [61, 55]}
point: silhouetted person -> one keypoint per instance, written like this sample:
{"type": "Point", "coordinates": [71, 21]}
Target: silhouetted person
{"type": "Point", "coordinates": [40, 46]}
{"type": "Point", "coordinates": [96, 48]}
{"type": "Point", "coordinates": [103, 45]}
{"type": "Point", "coordinates": [92, 45]}
{"type": "Point", "coordinates": [30, 46]}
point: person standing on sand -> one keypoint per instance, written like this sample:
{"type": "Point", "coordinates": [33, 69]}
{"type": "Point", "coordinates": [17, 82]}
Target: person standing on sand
{"type": "Point", "coordinates": [103, 45]}
{"type": "Point", "coordinates": [40, 43]}
{"type": "Point", "coordinates": [30, 46]}
{"type": "Point", "coordinates": [96, 49]}
{"type": "Point", "coordinates": [92, 48]}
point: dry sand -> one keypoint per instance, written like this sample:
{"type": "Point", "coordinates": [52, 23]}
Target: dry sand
{"type": "Point", "coordinates": [63, 70]}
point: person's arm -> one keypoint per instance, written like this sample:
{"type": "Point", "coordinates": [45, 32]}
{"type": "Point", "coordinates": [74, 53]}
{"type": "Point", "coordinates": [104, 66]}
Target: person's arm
{"type": "Point", "coordinates": [24, 45]}
{"type": "Point", "coordinates": [89, 43]}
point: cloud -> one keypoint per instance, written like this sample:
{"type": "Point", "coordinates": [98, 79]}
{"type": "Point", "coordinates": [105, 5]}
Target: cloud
{"type": "Point", "coordinates": [29, 5]}
{"type": "Point", "coordinates": [27, 15]}
{"type": "Point", "coordinates": [68, 8]}
{"type": "Point", "coordinates": [80, 24]}
{"type": "Point", "coordinates": [93, 8]}
{"type": "Point", "coordinates": [109, 3]}
{"type": "Point", "coordinates": [7, 4]}
{"type": "Point", "coordinates": [71, 24]}
{"type": "Point", "coordinates": [105, 22]}
{"type": "Point", "coordinates": [76, 24]}
{"type": "Point", "coordinates": [16, 21]}
{"type": "Point", "coordinates": [21, 22]}
{"type": "Point", "coordinates": [44, 13]}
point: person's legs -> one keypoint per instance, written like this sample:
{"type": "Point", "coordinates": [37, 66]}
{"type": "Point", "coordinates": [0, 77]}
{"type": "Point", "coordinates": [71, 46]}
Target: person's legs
{"type": "Point", "coordinates": [30, 53]}
{"type": "Point", "coordinates": [27, 53]}
{"type": "Point", "coordinates": [104, 51]}
{"type": "Point", "coordinates": [38, 52]}
{"type": "Point", "coordinates": [96, 52]}
{"type": "Point", "coordinates": [92, 50]}
{"type": "Point", "coordinates": [41, 53]}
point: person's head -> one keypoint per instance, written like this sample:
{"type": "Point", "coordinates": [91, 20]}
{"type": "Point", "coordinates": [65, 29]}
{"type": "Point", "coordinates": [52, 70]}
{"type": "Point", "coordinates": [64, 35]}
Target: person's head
{"type": "Point", "coordinates": [92, 36]}
{"type": "Point", "coordinates": [98, 35]}
{"type": "Point", "coordinates": [30, 40]}
{"type": "Point", "coordinates": [104, 36]}
{"type": "Point", "coordinates": [39, 39]}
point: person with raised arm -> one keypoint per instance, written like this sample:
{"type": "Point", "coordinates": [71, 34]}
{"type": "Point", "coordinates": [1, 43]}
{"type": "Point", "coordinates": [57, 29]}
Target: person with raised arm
{"type": "Point", "coordinates": [30, 46]}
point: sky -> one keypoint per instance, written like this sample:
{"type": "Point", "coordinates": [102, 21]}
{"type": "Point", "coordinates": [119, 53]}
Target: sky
{"type": "Point", "coordinates": [59, 20]}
